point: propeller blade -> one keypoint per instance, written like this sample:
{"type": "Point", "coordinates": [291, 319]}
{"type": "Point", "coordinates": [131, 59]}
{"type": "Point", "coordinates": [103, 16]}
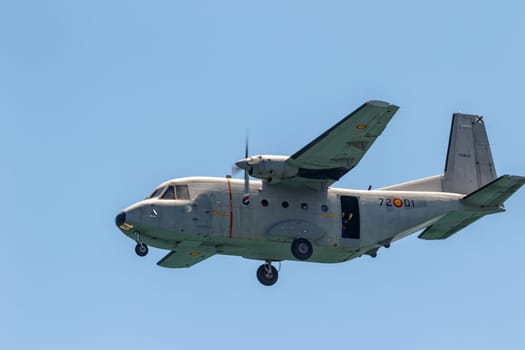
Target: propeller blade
{"type": "Point", "coordinates": [236, 170]}
{"type": "Point", "coordinates": [246, 182]}
{"type": "Point", "coordinates": [246, 174]}
{"type": "Point", "coordinates": [246, 196]}
{"type": "Point", "coordinates": [246, 147]}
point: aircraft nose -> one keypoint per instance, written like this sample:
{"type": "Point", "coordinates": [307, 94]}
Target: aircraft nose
{"type": "Point", "coordinates": [120, 219]}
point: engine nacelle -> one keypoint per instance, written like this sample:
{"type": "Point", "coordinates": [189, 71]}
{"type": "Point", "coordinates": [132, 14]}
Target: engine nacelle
{"type": "Point", "coordinates": [270, 168]}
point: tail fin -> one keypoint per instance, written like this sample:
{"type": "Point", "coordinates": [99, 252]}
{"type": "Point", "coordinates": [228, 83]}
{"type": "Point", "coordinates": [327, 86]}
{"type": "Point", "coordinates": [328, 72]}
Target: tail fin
{"type": "Point", "coordinates": [469, 164]}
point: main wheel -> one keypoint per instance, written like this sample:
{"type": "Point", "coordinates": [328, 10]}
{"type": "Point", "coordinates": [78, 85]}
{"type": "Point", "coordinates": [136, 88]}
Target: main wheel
{"type": "Point", "coordinates": [302, 249]}
{"type": "Point", "coordinates": [141, 249]}
{"type": "Point", "coordinates": [267, 274]}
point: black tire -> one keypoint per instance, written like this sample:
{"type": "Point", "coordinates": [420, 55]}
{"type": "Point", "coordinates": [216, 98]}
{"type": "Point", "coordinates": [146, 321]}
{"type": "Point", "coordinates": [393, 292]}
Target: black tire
{"type": "Point", "coordinates": [141, 249]}
{"type": "Point", "coordinates": [267, 276]}
{"type": "Point", "coordinates": [302, 249]}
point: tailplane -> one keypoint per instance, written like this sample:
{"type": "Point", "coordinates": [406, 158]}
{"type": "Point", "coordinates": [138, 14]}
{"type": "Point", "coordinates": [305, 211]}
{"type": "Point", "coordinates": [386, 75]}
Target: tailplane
{"type": "Point", "coordinates": [485, 200]}
{"type": "Point", "coordinates": [469, 170]}
{"type": "Point", "coordinates": [493, 194]}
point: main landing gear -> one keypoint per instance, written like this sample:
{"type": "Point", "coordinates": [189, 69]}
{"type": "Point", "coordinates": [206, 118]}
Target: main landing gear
{"type": "Point", "coordinates": [267, 274]}
{"type": "Point", "coordinates": [302, 249]}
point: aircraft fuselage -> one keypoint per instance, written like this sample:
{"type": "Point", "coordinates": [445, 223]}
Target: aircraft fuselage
{"type": "Point", "coordinates": [341, 224]}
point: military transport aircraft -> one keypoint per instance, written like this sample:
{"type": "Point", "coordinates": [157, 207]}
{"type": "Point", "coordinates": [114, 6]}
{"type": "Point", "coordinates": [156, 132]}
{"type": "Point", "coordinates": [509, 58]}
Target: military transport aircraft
{"type": "Point", "coordinates": [292, 213]}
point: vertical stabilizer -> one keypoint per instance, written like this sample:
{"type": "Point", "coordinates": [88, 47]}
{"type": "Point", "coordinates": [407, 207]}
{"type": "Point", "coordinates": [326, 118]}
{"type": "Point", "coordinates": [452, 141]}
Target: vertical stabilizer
{"type": "Point", "coordinates": [469, 164]}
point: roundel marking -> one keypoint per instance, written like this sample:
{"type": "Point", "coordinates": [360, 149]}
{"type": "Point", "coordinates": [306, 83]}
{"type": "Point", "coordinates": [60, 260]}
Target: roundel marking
{"type": "Point", "coordinates": [397, 202]}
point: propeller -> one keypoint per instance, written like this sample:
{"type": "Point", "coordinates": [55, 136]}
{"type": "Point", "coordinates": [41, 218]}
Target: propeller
{"type": "Point", "coordinates": [246, 174]}
{"type": "Point", "coordinates": [236, 170]}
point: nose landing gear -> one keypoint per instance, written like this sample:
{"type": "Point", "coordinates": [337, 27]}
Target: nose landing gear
{"type": "Point", "coordinates": [141, 249]}
{"type": "Point", "coordinates": [267, 274]}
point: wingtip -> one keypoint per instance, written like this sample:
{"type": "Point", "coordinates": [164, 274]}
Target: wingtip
{"type": "Point", "coordinates": [381, 104]}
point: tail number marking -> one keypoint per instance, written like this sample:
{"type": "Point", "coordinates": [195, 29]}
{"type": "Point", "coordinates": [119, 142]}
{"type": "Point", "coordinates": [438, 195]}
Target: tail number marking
{"type": "Point", "coordinates": [397, 202]}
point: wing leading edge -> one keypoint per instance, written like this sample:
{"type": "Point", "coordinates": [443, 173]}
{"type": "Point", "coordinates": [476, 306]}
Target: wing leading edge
{"type": "Point", "coordinates": [340, 148]}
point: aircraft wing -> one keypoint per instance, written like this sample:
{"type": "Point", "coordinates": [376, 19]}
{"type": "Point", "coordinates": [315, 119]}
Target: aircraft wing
{"type": "Point", "coordinates": [186, 256]}
{"type": "Point", "coordinates": [340, 148]}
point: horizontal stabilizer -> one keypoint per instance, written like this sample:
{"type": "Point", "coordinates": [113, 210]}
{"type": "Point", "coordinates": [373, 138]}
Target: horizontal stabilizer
{"type": "Point", "coordinates": [496, 192]}
{"type": "Point", "coordinates": [450, 224]}
{"type": "Point", "coordinates": [492, 195]}
{"type": "Point", "coordinates": [186, 256]}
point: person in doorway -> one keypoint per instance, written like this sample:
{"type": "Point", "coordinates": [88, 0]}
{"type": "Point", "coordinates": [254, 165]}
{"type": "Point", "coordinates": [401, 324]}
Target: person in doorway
{"type": "Point", "coordinates": [346, 223]}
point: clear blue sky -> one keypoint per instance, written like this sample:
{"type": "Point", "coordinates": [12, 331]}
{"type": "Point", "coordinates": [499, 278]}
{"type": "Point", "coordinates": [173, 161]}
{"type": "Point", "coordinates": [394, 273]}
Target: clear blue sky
{"type": "Point", "coordinates": [100, 101]}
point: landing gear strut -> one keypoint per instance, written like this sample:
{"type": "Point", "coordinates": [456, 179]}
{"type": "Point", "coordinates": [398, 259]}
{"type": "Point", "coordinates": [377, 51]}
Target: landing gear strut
{"type": "Point", "coordinates": [267, 274]}
{"type": "Point", "coordinates": [141, 249]}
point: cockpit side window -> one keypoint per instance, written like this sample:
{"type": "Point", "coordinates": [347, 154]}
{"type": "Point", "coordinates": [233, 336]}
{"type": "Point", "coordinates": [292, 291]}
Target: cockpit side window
{"type": "Point", "coordinates": [157, 192]}
{"type": "Point", "coordinates": [169, 194]}
{"type": "Point", "coordinates": [182, 192]}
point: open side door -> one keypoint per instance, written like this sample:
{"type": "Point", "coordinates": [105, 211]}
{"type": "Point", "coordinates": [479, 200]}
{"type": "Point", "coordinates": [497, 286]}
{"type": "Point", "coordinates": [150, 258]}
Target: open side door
{"type": "Point", "coordinates": [350, 220]}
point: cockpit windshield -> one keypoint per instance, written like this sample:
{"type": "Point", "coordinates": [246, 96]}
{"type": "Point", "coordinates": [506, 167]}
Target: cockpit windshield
{"type": "Point", "coordinates": [157, 192]}
{"type": "Point", "coordinates": [169, 194]}
{"type": "Point", "coordinates": [172, 192]}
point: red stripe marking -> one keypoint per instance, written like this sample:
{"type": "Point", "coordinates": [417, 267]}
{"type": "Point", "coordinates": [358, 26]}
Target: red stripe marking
{"type": "Point", "coordinates": [231, 206]}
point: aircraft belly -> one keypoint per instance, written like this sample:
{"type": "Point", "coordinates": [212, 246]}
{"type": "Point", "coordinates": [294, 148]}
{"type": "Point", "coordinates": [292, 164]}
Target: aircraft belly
{"type": "Point", "coordinates": [288, 230]}
{"type": "Point", "coordinates": [278, 251]}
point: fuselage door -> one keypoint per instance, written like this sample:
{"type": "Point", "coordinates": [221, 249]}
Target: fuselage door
{"type": "Point", "coordinates": [350, 221]}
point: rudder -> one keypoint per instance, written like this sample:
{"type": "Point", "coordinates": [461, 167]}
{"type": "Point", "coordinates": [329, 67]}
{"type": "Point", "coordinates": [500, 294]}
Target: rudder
{"type": "Point", "coordinates": [469, 163]}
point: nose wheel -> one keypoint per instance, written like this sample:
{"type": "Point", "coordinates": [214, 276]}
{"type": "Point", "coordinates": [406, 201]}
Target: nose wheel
{"type": "Point", "coordinates": [267, 274]}
{"type": "Point", "coordinates": [141, 249]}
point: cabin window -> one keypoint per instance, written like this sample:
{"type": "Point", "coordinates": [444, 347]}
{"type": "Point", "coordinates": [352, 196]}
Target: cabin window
{"type": "Point", "coordinates": [182, 192]}
{"type": "Point", "coordinates": [284, 204]}
{"type": "Point", "coordinates": [169, 194]}
{"type": "Point", "coordinates": [324, 208]}
{"type": "Point", "coordinates": [264, 203]}
{"type": "Point", "coordinates": [304, 206]}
